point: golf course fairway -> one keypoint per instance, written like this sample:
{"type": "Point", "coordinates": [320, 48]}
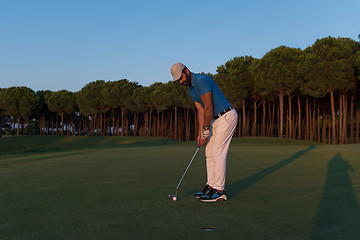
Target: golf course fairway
{"type": "Point", "coordinates": [117, 187]}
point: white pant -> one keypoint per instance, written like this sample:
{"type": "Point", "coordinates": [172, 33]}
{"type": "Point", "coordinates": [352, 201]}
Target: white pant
{"type": "Point", "coordinates": [222, 130]}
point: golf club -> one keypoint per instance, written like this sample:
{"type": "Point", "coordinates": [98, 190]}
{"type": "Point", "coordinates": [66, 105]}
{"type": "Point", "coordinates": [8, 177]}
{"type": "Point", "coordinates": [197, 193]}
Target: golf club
{"type": "Point", "coordinates": [174, 197]}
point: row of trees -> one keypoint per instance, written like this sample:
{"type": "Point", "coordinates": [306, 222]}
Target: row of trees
{"type": "Point", "coordinates": [310, 94]}
{"type": "Point", "coordinates": [100, 108]}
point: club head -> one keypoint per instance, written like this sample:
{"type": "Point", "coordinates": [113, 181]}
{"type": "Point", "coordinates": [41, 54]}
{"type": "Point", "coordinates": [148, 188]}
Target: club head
{"type": "Point", "coordinates": [173, 197]}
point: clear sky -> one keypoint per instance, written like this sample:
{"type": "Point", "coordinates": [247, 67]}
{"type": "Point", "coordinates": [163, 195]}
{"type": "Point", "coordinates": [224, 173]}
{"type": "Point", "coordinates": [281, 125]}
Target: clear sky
{"type": "Point", "coordinates": [65, 44]}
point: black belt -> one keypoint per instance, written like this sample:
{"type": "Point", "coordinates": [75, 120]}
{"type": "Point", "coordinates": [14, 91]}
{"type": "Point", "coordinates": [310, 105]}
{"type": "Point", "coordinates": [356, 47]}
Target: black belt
{"type": "Point", "coordinates": [223, 112]}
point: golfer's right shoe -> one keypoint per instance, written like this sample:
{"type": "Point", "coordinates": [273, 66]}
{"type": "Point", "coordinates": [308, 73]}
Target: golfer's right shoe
{"type": "Point", "coordinates": [202, 193]}
{"type": "Point", "coordinates": [213, 195]}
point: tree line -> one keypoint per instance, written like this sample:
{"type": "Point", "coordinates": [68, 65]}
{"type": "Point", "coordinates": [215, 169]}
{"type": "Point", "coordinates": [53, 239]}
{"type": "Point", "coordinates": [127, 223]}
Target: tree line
{"type": "Point", "coordinates": [310, 94]}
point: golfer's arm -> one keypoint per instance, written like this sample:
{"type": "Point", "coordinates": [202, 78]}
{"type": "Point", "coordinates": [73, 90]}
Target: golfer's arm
{"type": "Point", "coordinates": [208, 109]}
{"type": "Point", "coordinates": [200, 115]}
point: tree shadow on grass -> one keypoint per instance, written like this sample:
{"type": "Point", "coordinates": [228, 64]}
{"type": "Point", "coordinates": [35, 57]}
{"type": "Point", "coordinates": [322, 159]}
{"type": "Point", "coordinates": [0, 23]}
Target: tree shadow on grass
{"type": "Point", "coordinates": [236, 187]}
{"type": "Point", "coordinates": [338, 214]}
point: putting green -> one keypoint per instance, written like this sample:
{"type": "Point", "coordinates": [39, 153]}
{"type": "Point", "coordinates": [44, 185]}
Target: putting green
{"type": "Point", "coordinates": [117, 187]}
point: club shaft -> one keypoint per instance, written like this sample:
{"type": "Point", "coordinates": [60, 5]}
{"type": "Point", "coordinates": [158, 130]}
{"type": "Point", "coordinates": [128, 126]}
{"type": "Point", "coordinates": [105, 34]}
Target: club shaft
{"type": "Point", "coordinates": [186, 170]}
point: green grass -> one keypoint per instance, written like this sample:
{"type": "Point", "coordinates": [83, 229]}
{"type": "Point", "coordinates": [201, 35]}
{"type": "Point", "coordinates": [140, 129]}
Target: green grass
{"type": "Point", "coordinates": [117, 187]}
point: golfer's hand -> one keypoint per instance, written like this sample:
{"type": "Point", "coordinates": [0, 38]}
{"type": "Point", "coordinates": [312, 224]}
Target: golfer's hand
{"type": "Point", "coordinates": [205, 133]}
{"type": "Point", "coordinates": [201, 141]}
{"type": "Point", "coordinates": [203, 137]}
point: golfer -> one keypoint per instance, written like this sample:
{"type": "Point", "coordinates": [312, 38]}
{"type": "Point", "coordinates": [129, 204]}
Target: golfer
{"type": "Point", "coordinates": [217, 122]}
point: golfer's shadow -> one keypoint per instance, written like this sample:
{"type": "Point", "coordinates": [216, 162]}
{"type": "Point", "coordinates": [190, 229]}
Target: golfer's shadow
{"type": "Point", "coordinates": [236, 187]}
{"type": "Point", "coordinates": [338, 213]}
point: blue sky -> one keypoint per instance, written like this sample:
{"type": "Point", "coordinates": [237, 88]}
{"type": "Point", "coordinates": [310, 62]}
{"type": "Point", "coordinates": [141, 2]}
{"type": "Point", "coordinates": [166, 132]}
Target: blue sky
{"type": "Point", "coordinates": [62, 44]}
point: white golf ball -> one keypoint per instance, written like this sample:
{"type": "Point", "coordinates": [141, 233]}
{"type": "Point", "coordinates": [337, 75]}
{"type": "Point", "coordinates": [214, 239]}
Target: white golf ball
{"type": "Point", "coordinates": [174, 198]}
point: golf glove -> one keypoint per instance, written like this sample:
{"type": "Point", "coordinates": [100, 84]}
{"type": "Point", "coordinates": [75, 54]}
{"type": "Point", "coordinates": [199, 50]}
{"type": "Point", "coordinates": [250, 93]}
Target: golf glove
{"type": "Point", "coordinates": [205, 133]}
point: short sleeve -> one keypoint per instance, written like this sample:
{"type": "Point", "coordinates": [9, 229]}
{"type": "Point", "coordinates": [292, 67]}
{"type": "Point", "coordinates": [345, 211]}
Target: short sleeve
{"type": "Point", "coordinates": [204, 86]}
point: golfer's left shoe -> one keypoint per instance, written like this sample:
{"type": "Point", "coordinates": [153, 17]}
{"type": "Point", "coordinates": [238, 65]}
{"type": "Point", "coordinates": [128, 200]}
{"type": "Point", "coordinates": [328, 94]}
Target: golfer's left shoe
{"type": "Point", "coordinates": [213, 195]}
{"type": "Point", "coordinates": [203, 192]}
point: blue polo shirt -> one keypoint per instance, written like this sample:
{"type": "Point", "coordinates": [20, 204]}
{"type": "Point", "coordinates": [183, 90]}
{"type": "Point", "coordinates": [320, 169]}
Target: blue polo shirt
{"type": "Point", "coordinates": [202, 84]}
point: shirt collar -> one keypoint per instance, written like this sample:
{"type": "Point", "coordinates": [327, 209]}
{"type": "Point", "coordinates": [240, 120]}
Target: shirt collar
{"type": "Point", "coordinates": [193, 80]}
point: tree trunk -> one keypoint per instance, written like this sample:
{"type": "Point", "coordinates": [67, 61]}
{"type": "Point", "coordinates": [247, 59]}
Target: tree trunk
{"type": "Point", "coordinates": [187, 124]}
{"type": "Point", "coordinates": [340, 134]}
{"type": "Point", "coordinates": [323, 130]}
{"type": "Point", "coordinates": [108, 127]}
{"type": "Point", "coordinates": [62, 123]}
{"type": "Point", "coordinates": [307, 120]}
{"type": "Point", "coordinates": [171, 132]}
{"type": "Point", "coordinates": [43, 123]}
{"type": "Point", "coordinates": [295, 122]}
{"type": "Point", "coordinates": [45, 130]}
{"type": "Point", "coordinates": [244, 118]}
{"type": "Point", "coordinates": [281, 113]}
{"type": "Point", "coordinates": [105, 126]}
{"type": "Point", "coordinates": [52, 126]}
{"type": "Point", "coordinates": [127, 123]}
{"type": "Point", "coordinates": [352, 118]}
{"type": "Point", "coordinates": [272, 124]}
{"type": "Point", "coordinates": [94, 125]}
{"type": "Point", "coordinates": [333, 119]}
{"type": "Point", "coordinates": [118, 125]}
{"type": "Point", "coordinates": [104, 130]}
{"type": "Point", "coordinates": [90, 125]}
{"type": "Point", "coordinates": [158, 124]}
{"type": "Point", "coordinates": [318, 123]}
{"type": "Point", "coordinates": [41, 129]}
{"type": "Point", "coordinates": [287, 124]}
{"type": "Point", "coordinates": [248, 124]}
{"type": "Point", "coordinates": [135, 123]}
{"type": "Point", "coordinates": [18, 127]}
{"type": "Point", "coordinates": [313, 123]}
{"type": "Point", "coordinates": [357, 127]}
{"type": "Point", "coordinates": [150, 123]}
{"type": "Point", "coordinates": [122, 122]}
{"type": "Point", "coordinates": [113, 122]}
{"type": "Point", "coordinates": [98, 127]}
{"type": "Point", "coordinates": [86, 125]}
{"type": "Point", "coordinates": [253, 128]}
{"type": "Point", "coordinates": [22, 127]}
{"type": "Point", "coordinates": [101, 132]}
{"type": "Point", "coordinates": [263, 126]}
{"type": "Point", "coordinates": [329, 132]}
{"type": "Point", "coordinates": [299, 118]}
{"type": "Point", "coordinates": [164, 119]}
{"type": "Point", "coordinates": [40, 126]}
{"type": "Point", "coordinates": [161, 124]}
{"type": "Point", "coordinates": [344, 128]}
{"type": "Point", "coordinates": [290, 114]}
{"type": "Point", "coordinates": [67, 128]}
{"type": "Point", "coordinates": [56, 126]}
{"type": "Point", "coordinates": [175, 124]}
{"type": "Point", "coordinates": [71, 129]}
{"type": "Point", "coordinates": [80, 117]}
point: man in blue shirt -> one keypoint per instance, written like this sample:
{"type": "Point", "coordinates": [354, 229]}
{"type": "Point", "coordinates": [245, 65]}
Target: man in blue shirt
{"type": "Point", "coordinates": [217, 122]}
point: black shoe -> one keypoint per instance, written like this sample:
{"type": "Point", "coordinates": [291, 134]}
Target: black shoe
{"type": "Point", "coordinates": [203, 192]}
{"type": "Point", "coordinates": [213, 195]}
